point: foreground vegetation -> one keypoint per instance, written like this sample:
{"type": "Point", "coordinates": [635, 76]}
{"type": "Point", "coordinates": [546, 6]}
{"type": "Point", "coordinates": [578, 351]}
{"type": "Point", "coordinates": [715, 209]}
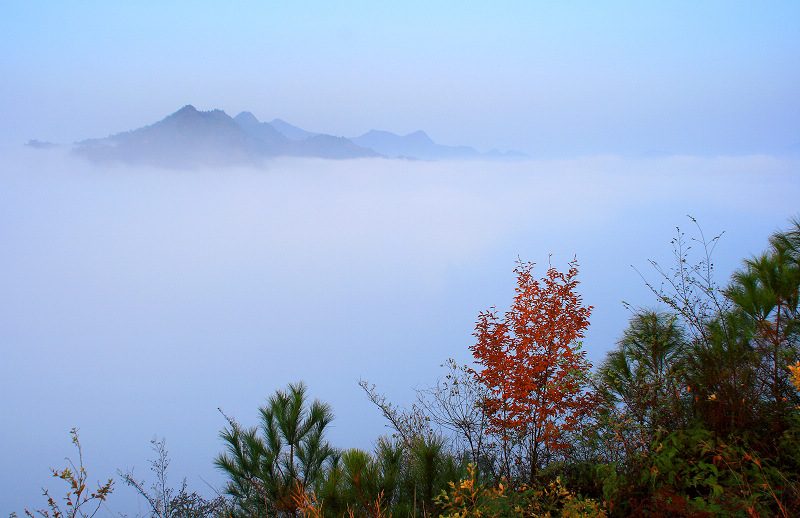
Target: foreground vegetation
{"type": "Point", "coordinates": [694, 413]}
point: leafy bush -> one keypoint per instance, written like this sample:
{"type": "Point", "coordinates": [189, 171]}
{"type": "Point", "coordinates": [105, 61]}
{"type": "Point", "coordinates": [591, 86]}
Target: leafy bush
{"type": "Point", "coordinates": [472, 498]}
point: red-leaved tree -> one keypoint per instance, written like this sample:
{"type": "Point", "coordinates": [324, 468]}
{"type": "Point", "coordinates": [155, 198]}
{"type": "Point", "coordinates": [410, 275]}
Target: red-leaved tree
{"type": "Point", "coordinates": [534, 368]}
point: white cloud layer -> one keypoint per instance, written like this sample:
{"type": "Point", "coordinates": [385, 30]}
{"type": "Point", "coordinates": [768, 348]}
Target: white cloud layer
{"type": "Point", "coordinates": [135, 302]}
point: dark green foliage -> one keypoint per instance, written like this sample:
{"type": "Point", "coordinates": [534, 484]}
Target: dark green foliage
{"type": "Point", "coordinates": [711, 429]}
{"type": "Point", "coordinates": [765, 292]}
{"type": "Point", "coordinates": [269, 467]}
{"type": "Point", "coordinates": [395, 480]}
{"type": "Point", "coordinates": [705, 474]}
{"type": "Point", "coordinates": [428, 463]}
{"type": "Point", "coordinates": [642, 380]}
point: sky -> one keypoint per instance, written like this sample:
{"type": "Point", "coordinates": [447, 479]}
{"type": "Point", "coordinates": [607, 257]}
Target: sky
{"type": "Point", "coordinates": [136, 302]}
{"type": "Point", "coordinates": [553, 79]}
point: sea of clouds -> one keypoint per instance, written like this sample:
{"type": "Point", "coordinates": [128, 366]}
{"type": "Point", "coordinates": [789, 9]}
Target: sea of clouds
{"type": "Point", "coordinates": [135, 302]}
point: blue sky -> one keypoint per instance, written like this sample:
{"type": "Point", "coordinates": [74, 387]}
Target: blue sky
{"type": "Point", "coordinates": [550, 78]}
{"type": "Point", "coordinates": [134, 302]}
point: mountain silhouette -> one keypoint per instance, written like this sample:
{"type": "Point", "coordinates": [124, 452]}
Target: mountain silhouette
{"type": "Point", "coordinates": [419, 145]}
{"type": "Point", "coordinates": [190, 138]}
{"type": "Point", "coordinates": [275, 142]}
{"type": "Point", "coordinates": [414, 145]}
{"type": "Point", "coordinates": [291, 132]}
{"type": "Point", "coordinates": [312, 145]}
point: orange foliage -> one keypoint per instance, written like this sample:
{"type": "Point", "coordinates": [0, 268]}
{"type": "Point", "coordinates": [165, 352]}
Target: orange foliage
{"type": "Point", "coordinates": [533, 364]}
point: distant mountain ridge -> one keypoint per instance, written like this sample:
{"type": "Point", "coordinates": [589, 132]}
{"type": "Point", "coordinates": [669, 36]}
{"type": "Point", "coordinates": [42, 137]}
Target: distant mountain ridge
{"type": "Point", "coordinates": [291, 132]}
{"type": "Point", "coordinates": [414, 145]}
{"type": "Point", "coordinates": [190, 138]}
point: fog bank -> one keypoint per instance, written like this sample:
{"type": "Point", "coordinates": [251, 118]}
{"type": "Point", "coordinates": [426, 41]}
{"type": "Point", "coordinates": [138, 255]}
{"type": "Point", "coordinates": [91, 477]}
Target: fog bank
{"type": "Point", "coordinates": [135, 302]}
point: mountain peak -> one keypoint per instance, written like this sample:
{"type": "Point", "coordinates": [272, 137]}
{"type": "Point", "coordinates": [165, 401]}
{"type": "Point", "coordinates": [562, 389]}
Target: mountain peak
{"type": "Point", "coordinates": [187, 113]}
{"type": "Point", "coordinates": [185, 139]}
{"type": "Point", "coordinates": [419, 136]}
{"type": "Point", "coordinates": [186, 109]}
{"type": "Point", "coordinates": [246, 118]}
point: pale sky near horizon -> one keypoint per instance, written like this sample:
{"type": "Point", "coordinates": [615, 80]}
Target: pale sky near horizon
{"type": "Point", "coordinates": [554, 79]}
